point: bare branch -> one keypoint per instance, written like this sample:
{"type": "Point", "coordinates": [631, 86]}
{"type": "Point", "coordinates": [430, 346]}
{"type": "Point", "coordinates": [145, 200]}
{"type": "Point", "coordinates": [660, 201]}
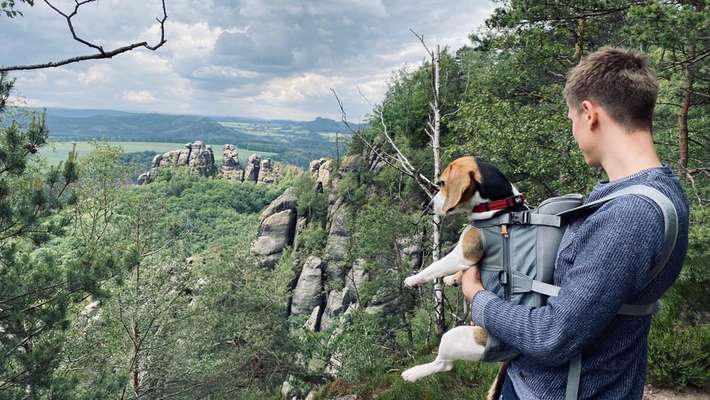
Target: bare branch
{"type": "Point", "coordinates": [421, 39]}
{"type": "Point", "coordinates": [101, 53]}
{"type": "Point", "coordinates": [401, 163]}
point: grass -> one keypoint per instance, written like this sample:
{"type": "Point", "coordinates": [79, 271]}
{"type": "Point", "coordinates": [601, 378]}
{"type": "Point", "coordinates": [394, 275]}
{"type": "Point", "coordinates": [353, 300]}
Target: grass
{"type": "Point", "coordinates": [467, 380]}
{"type": "Point", "coordinates": [55, 152]}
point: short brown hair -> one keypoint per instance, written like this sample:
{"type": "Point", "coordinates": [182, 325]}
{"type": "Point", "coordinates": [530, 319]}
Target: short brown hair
{"type": "Point", "coordinates": [620, 80]}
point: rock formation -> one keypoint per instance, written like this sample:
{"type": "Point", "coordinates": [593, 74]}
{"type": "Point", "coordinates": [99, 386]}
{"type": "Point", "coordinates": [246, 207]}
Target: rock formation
{"type": "Point", "coordinates": [308, 291]}
{"type": "Point", "coordinates": [197, 156]}
{"type": "Point", "coordinates": [277, 229]}
{"type": "Point", "coordinates": [231, 169]}
{"type": "Point", "coordinates": [329, 286]}
{"type": "Point", "coordinates": [200, 159]}
{"type": "Point", "coordinates": [251, 173]}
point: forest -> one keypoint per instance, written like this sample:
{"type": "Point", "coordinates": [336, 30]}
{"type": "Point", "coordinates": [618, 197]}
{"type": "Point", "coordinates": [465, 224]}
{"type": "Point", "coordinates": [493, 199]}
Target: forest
{"type": "Point", "coordinates": [110, 290]}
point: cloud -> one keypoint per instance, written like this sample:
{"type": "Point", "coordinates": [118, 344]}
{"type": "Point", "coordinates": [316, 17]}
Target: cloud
{"type": "Point", "coordinates": [139, 97]}
{"type": "Point", "coordinates": [259, 58]}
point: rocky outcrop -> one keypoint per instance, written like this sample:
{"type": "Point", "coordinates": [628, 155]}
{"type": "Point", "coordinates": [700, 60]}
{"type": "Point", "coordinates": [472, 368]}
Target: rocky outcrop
{"type": "Point", "coordinates": [277, 229]}
{"type": "Point", "coordinates": [308, 291]}
{"type": "Point", "coordinates": [338, 242]}
{"type": "Point", "coordinates": [329, 283]}
{"type": "Point", "coordinates": [268, 172]}
{"type": "Point", "coordinates": [200, 159]}
{"type": "Point", "coordinates": [231, 169]}
{"type": "Point", "coordinates": [251, 172]}
{"type": "Point", "coordinates": [322, 170]}
{"type": "Point", "coordinates": [198, 156]}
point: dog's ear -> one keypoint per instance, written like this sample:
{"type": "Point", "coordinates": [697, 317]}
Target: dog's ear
{"type": "Point", "coordinates": [458, 181]}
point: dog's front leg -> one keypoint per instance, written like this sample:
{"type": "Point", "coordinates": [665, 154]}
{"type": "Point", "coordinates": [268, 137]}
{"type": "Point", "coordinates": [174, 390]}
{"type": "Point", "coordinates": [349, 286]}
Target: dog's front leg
{"type": "Point", "coordinates": [468, 252]}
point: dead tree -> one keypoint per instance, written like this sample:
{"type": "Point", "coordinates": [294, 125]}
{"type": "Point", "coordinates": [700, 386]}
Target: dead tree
{"type": "Point", "coordinates": [398, 160]}
{"type": "Point", "coordinates": [433, 129]}
{"type": "Point", "coordinates": [100, 52]}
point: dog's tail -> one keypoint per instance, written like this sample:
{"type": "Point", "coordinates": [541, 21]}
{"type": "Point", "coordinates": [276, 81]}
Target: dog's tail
{"type": "Point", "coordinates": [496, 388]}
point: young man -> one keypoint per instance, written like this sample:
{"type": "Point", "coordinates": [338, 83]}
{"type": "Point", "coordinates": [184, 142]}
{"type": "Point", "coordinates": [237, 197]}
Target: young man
{"type": "Point", "coordinates": [605, 256]}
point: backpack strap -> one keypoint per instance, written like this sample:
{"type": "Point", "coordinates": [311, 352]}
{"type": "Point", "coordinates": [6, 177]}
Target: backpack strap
{"type": "Point", "coordinates": [520, 218]}
{"type": "Point", "coordinates": [670, 220]}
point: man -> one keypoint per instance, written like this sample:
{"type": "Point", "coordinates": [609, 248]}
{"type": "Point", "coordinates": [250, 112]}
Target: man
{"type": "Point", "coordinates": [605, 256]}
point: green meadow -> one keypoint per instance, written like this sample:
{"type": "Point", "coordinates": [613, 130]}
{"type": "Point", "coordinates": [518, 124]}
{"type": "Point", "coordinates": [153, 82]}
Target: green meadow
{"type": "Point", "coordinates": [56, 152]}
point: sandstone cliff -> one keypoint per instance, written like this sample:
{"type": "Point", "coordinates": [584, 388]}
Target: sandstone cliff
{"type": "Point", "coordinates": [199, 158]}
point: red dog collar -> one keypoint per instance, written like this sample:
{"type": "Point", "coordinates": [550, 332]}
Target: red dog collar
{"type": "Point", "coordinates": [501, 204]}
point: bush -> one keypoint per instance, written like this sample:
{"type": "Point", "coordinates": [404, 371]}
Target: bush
{"type": "Point", "coordinates": [678, 354]}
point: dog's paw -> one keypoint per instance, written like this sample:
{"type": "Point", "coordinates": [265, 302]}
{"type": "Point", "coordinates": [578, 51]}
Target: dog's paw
{"type": "Point", "coordinates": [451, 280]}
{"type": "Point", "coordinates": [412, 281]}
{"type": "Point", "coordinates": [410, 375]}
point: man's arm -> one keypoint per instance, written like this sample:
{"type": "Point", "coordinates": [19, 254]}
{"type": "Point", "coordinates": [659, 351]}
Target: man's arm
{"type": "Point", "coordinates": [616, 248]}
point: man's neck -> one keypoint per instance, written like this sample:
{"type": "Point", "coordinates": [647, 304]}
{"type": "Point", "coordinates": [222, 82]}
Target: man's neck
{"type": "Point", "coordinates": [628, 153]}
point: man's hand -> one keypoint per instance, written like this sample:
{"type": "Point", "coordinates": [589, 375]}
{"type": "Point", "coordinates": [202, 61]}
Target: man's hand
{"type": "Point", "coordinates": [471, 283]}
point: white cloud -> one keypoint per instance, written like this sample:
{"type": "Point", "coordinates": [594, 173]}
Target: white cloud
{"type": "Point", "coordinates": [259, 58]}
{"type": "Point", "coordinates": [297, 88]}
{"type": "Point", "coordinates": [139, 97]}
{"type": "Point", "coordinates": [95, 73]}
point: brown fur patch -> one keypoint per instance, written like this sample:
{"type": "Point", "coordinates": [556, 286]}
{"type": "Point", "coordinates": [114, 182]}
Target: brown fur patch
{"type": "Point", "coordinates": [480, 335]}
{"type": "Point", "coordinates": [460, 181]}
{"type": "Point", "coordinates": [472, 246]}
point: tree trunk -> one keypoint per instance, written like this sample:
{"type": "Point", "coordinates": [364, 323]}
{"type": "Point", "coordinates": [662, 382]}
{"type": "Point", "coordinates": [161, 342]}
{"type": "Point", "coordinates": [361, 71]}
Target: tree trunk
{"type": "Point", "coordinates": [580, 25]}
{"type": "Point", "coordinates": [436, 220]}
{"type": "Point", "coordinates": [683, 121]}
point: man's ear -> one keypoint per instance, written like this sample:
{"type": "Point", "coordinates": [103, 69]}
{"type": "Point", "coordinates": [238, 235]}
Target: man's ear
{"type": "Point", "coordinates": [591, 113]}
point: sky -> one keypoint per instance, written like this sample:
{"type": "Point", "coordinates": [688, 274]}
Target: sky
{"type": "Point", "coordinates": [252, 58]}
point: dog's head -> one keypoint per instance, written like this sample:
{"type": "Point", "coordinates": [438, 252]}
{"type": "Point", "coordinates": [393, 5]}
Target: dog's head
{"type": "Point", "coordinates": [466, 182]}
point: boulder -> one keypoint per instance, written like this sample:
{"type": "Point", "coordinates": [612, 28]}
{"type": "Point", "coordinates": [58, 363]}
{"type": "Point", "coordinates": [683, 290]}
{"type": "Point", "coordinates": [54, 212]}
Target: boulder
{"type": "Point", "coordinates": [338, 301]}
{"type": "Point", "coordinates": [385, 301]}
{"type": "Point", "coordinates": [275, 233]}
{"type": "Point", "coordinates": [307, 294]}
{"type": "Point", "coordinates": [313, 322]}
{"type": "Point", "coordinates": [325, 172]}
{"type": "Point", "coordinates": [251, 172]}
{"type": "Point", "coordinates": [287, 201]}
{"type": "Point", "coordinates": [300, 226]}
{"type": "Point", "coordinates": [412, 253]}
{"type": "Point", "coordinates": [231, 169]}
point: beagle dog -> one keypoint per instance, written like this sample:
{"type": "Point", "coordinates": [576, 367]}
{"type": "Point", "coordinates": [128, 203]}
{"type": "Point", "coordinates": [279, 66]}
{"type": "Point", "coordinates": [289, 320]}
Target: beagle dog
{"type": "Point", "coordinates": [467, 185]}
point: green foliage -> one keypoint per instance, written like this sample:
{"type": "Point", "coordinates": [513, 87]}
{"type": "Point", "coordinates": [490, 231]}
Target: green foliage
{"type": "Point", "coordinates": [142, 158]}
{"type": "Point", "coordinates": [679, 343]}
{"type": "Point", "coordinates": [679, 352]}
{"type": "Point", "coordinates": [312, 240]}
{"type": "Point", "coordinates": [465, 381]}
{"type": "Point", "coordinates": [310, 202]}
{"type": "Point", "coordinates": [38, 285]}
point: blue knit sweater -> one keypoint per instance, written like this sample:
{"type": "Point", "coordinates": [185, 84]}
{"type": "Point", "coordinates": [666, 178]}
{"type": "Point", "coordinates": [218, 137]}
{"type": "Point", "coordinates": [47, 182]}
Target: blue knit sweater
{"type": "Point", "coordinates": [601, 264]}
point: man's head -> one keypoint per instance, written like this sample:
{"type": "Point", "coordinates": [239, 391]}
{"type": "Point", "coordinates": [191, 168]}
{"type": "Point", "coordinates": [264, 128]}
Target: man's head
{"type": "Point", "coordinates": [610, 87]}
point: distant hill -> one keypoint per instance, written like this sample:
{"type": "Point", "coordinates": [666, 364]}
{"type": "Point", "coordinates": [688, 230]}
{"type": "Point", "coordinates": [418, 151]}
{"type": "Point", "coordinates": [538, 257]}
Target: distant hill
{"type": "Point", "coordinates": [295, 142]}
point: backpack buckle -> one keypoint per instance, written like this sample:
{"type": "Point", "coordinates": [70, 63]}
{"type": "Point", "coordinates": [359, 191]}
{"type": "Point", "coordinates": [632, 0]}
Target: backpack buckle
{"type": "Point", "coordinates": [520, 218]}
{"type": "Point", "coordinates": [503, 278]}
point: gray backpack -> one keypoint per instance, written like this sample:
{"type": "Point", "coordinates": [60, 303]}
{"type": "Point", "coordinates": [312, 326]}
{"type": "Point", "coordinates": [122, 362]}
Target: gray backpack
{"type": "Point", "coordinates": [520, 250]}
